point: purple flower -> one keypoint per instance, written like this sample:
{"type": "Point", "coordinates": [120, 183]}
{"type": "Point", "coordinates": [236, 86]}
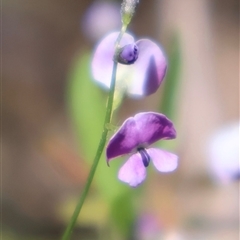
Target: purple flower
{"type": "Point", "coordinates": [95, 22]}
{"type": "Point", "coordinates": [134, 137]}
{"type": "Point", "coordinates": [223, 152]}
{"type": "Point", "coordinates": [142, 77]}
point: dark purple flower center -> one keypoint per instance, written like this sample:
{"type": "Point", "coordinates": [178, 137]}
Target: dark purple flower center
{"type": "Point", "coordinates": [145, 157]}
{"type": "Point", "coordinates": [128, 54]}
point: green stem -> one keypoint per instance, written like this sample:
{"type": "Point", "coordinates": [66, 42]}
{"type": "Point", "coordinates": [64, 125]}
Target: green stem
{"type": "Point", "coordinates": [109, 110]}
{"type": "Point", "coordinates": [123, 30]}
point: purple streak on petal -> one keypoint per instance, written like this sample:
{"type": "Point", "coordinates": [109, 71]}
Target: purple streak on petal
{"type": "Point", "coordinates": [236, 176]}
{"type": "Point", "coordinates": [145, 157]}
{"type": "Point", "coordinates": [149, 69]}
{"type": "Point", "coordinates": [124, 141]}
{"type": "Point", "coordinates": [153, 127]}
{"type": "Point", "coordinates": [133, 171]}
{"type": "Point", "coordinates": [102, 62]}
{"type": "Point", "coordinates": [162, 160]}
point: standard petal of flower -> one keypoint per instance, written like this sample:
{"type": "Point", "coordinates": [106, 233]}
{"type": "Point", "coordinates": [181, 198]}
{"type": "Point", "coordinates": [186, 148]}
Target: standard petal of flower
{"type": "Point", "coordinates": [149, 69]}
{"type": "Point", "coordinates": [102, 62]}
{"type": "Point", "coordinates": [153, 127]}
{"type": "Point", "coordinates": [124, 141]}
{"type": "Point", "coordinates": [162, 160]}
{"type": "Point", "coordinates": [133, 171]}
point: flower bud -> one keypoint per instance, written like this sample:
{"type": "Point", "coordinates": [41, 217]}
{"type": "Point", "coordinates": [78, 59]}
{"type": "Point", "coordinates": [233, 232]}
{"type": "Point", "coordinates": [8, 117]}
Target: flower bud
{"type": "Point", "coordinates": [127, 10]}
{"type": "Point", "coordinates": [128, 54]}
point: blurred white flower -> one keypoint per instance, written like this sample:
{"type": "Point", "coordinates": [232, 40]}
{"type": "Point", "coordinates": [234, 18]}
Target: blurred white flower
{"type": "Point", "coordinates": [100, 18]}
{"type": "Point", "coordinates": [223, 152]}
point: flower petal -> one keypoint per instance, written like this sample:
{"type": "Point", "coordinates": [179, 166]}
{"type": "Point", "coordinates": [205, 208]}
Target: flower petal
{"type": "Point", "coordinates": [133, 171]}
{"type": "Point", "coordinates": [149, 69]}
{"type": "Point", "coordinates": [153, 127]}
{"type": "Point", "coordinates": [102, 62]}
{"type": "Point", "coordinates": [139, 131]}
{"type": "Point", "coordinates": [124, 141]}
{"type": "Point", "coordinates": [162, 160]}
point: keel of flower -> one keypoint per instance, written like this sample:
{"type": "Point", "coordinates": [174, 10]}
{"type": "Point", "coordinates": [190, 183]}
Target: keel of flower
{"type": "Point", "coordinates": [145, 157]}
{"type": "Point", "coordinates": [134, 137]}
{"type": "Point", "coordinates": [128, 54]}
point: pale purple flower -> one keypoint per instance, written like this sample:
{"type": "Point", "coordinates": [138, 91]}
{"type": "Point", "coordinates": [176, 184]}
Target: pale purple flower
{"type": "Point", "coordinates": [148, 227]}
{"type": "Point", "coordinates": [100, 18]}
{"type": "Point", "coordinates": [134, 137]}
{"type": "Point", "coordinates": [142, 77]}
{"type": "Point", "coordinates": [223, 152]}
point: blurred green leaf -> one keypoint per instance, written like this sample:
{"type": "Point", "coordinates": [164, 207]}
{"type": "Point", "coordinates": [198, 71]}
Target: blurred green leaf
{"type": "Point", "coordinates": [123, 211]}
{"type": "Point", "coordinates": [87, 106]}
{"type": "Point", "coordinates": [168, 101]}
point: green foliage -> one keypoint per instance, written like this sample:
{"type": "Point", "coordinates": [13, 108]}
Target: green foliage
{"type": "Point", "coordinates": [87, 106]}
{"type": "Point", "coordinates": [123, 212]}
{"type": "Point", "coordinates": [168, 105]}
{"type": "Point", "coordinates": [168, 102]}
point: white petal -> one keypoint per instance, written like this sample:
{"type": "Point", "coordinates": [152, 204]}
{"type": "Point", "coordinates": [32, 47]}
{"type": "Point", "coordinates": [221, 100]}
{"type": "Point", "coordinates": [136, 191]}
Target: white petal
{"type": "Point", "coordinates": [223, 151]}
{"type": "Point", "coordinates": [162, 160]}
{"type": "Point", "coordinates": [133, 171]}
{"type": "Point", "coordinates": [149, 69]}
{"type": "Point", "coordinates": [102, 63]}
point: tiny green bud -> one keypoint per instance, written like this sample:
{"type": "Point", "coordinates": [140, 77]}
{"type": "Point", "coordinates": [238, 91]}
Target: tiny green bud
{"type": "Point", "coordinates": [127, 10]}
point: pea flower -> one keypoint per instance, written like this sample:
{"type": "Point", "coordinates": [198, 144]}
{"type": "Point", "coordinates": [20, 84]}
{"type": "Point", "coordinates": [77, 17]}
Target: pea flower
{"type": "Point", "coordinates": [144, 74]}
{"type": "Point", "coordinates": [95, 22]}
{"type": "Point", "coordinates": [223, 153]}
{"type": "Point", "coordinates": [134, 137]}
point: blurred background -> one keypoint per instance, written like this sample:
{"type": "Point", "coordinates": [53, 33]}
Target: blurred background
{"type": "Point", "coordinates": [44, 163]}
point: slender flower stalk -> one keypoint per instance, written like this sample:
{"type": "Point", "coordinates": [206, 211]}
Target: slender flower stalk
{"type": "Point", "coordinates": [102, 142]}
